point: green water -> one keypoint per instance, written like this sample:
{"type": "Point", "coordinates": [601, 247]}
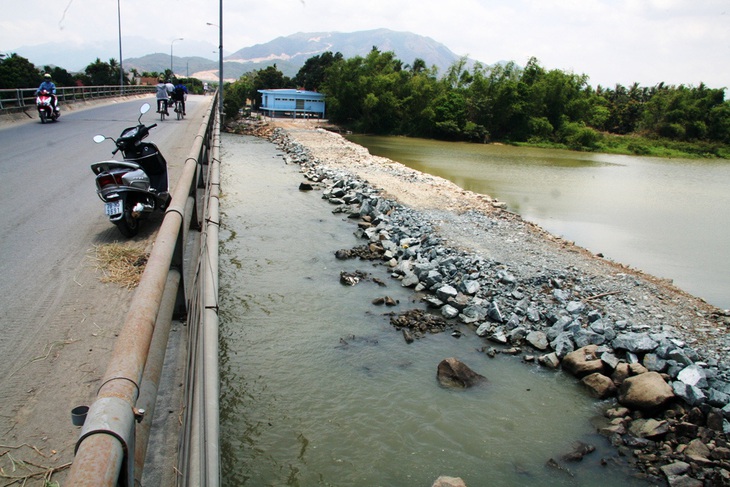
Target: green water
{"type": "Point", "coordinates": [317, 388]}
{"type": "Point", "coordinates": [667, 217]}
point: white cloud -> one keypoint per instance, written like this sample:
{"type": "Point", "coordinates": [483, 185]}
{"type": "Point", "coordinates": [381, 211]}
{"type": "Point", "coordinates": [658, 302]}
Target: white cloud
{"type": "Point", "coordinates": [612, 41]}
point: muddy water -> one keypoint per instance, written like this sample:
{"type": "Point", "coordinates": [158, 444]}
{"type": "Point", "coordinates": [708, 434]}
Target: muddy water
{"type": "Point", "coordinates": [667, 217]}
{"type": "Point", "coordinates": [319, 389]}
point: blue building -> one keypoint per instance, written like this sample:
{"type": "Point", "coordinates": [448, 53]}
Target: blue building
{"type": "Point", "coordinates": [292, 103]}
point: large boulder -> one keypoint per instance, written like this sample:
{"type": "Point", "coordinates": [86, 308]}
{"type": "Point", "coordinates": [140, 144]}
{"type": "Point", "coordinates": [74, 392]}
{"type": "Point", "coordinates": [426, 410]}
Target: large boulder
{"type": "Point", "coordinates": [583, 362]}
{"type": "Point", "coordinates": [645, 391]}
{"type": "Point", "coordinates": [454, 373]}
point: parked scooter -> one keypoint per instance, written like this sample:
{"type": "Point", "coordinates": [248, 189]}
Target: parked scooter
{"type": "Point", "coordinates": [135, 187]}
{"type": "Point", "coordinates": [44, 103]}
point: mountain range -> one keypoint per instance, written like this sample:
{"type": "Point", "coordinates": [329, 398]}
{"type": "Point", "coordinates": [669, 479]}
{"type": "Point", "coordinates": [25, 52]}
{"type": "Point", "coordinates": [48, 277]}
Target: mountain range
{"type": "Point", "coordinates": [287, 53]}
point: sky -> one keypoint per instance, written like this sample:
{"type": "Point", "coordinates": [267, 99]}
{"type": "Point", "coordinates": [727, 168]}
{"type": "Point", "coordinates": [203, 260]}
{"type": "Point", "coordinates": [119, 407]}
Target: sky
{"type": "Point", "coordinates": [611, 41]}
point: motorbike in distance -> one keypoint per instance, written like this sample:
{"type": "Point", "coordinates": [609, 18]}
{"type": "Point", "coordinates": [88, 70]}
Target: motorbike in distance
{"type": "Point", "coordinates": [44, 103]}
{"type": "Point", "coordinates": [133, 188]}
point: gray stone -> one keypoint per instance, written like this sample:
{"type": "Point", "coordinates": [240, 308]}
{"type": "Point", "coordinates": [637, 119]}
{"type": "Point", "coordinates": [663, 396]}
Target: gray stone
{"type": "Point", "coordinates": [533, 314]}
{"type": "Point", "coordinates": [634, 342]}
{"type": "Point", "coordinates": [549, 360]}
{"type": "Point", "coordinates": [679, 356]}
{"type": "Point", "coordinates": [449, 312]}
{"type": "Point", "coordinates": [610, 359]}
{"type": "Point", "coordinates": [495, 313]}
{"type": "Point", "coordinates": [484, 329]}
{"type": "Point", "coordinates": [409, 280]}
{"type": "Point", "coordinates": [693, 375]}
{"type": "Point", "coordinates": [585, 337]}
{"type": "Point", "coordinates": [575, 307]}
{"type": "Point", "coordinates": [653, 363]}
{"type": "Point", "coordinates": [517, 334]}
{"type": "Point", "coordinates": [563, 344]}
{"type": "Point", "coordinates": [434, 277]}
{"type": "Point", "coordinates": [513, 321]}
{"type": "Point", "coordinates": [690, 394]}
{"type": "Point", "coordinates": [470, 287]}
{"type": "Point", "coordinates": [446, 292]}
{"type": "Point", "coordinates": [560, 296]}
{"type": "Point", "coordinates": [472, 314]}
{"type": "Point", "coordinates": [537, 339]}
{"type": "Point", "coordinates": [498, 336]}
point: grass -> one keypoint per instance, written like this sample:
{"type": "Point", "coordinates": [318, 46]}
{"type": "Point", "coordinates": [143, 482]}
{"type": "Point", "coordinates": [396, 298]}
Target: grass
{"type": "Point", "coordinates": [644, 146]}
{"type": "Point", "coordinates": [121, 263]}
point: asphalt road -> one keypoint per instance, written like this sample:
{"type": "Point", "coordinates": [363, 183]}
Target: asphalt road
{"type": "Point", "coordinates": [57, 320]}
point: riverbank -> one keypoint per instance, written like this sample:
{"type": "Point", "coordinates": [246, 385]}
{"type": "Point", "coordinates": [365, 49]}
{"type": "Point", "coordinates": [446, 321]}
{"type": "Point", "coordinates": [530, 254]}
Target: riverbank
{"type": "Point", "coordinates": [532, 294]}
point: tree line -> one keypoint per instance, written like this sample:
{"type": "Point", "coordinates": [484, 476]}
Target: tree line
{"type": "Point", "coordinates": [379, 94]}
{"type": "Point", "coordinates": [18, 72]}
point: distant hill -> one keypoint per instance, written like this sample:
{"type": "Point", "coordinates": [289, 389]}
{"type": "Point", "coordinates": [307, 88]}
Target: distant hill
{"type": "Point", "coordinates": [289, 53]}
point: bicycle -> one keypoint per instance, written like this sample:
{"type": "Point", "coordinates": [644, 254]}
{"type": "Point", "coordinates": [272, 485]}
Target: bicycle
{"type": "Point", "coordinates": [179, 110]}
{"type": "Point", "coordinates": [163, 112]}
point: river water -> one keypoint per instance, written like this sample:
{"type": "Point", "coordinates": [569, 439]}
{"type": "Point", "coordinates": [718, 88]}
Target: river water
{"type": "Point", "coordinates": [317, 388]}
{"type": "Point", "coordinates": [667, 217]}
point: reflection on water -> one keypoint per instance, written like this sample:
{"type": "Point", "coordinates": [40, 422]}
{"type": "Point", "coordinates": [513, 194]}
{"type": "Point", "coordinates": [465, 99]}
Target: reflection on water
{"type": "Point", "coordinates": [667, 217]}
{"type": "Point", "coordinates": [317, 388]}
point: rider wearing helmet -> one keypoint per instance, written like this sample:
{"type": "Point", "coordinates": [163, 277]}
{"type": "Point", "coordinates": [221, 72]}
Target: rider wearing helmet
{"type": "Point", "coordinates": [49, 86]}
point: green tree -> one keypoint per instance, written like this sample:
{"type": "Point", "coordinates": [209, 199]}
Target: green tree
{"type": "Point", "coordinates": [100, 73]}
{"type": "Point", "coordinates": [60, 76]}
{"type": "Point", "coordinates": [17, 72]}
{"type": "Point", "coordinates": [311, 75]}
{"type": "Point", "coordinates": [269, 78]}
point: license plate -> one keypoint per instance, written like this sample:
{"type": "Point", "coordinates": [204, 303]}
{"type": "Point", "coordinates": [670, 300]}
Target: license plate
{"type": "Point", "coordinates": [114, 207]}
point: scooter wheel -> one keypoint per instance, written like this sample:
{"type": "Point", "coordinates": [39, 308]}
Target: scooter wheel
{"type": "Point", "coordinates": [128, 225]}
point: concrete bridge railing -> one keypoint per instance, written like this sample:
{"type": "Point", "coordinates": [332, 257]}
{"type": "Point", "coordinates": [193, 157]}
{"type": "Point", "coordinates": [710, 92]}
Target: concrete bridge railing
{"type": "Point", "coordinates": [21, 99]}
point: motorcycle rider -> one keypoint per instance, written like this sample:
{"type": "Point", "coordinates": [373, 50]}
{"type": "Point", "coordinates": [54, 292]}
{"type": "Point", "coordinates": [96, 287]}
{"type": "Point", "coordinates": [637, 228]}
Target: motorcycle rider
{"type": "Point", "coordinates": [163, 94]}
{"type": "Point", "coordinates": [48, 85]}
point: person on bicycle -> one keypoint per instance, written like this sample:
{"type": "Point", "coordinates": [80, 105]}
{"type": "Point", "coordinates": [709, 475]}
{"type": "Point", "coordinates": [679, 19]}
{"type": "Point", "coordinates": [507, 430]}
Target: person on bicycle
{"type": "Point", "coordinates": [48, 85]}
{"type": "Point", "coordinates": [163, 93]}
{"type": "Point", "coordinates": [179, 94]}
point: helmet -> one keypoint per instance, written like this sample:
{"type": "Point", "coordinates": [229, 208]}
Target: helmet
{"type": "Point", "coordinates": [47, 76]}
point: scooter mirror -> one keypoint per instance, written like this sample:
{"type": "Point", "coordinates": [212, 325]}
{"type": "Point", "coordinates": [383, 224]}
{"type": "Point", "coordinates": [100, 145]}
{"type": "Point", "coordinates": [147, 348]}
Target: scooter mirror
{"type": "Point", "coordinates": [144, 108]}
{"type": "Point", "coordinates": [99, 139]}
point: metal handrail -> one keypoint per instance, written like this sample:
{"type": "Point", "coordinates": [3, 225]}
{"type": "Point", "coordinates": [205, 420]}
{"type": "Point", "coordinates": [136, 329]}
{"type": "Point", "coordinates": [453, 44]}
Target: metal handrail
{"type": "Point", "coordinates": [20, 99]}
{"type": "Point", "coordinates": [111, 447]}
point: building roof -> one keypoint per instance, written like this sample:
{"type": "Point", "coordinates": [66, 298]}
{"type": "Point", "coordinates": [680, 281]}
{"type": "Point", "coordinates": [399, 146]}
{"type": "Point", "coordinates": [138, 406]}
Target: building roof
{"type": "Point", "coordinates": [292, 92]}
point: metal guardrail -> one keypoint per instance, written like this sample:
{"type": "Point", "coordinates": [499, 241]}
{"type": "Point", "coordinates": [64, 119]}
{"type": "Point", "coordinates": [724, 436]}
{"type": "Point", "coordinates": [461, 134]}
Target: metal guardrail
{"type": "Point", "coordinates": [111, 447]}
{"type": "Point", "coordinates": [24, 98]}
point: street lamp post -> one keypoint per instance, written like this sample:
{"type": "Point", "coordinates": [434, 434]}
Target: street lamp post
{"type": "Point", "coordinates": [121, 65]}
{"type": "Point", "coordinates": [220, 58]}
{"type": "Point", "coordinates": [172, 72]}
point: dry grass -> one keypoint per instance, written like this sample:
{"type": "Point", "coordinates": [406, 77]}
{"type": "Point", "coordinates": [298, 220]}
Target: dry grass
{"type": "Point", "coordinates": [121, 263]}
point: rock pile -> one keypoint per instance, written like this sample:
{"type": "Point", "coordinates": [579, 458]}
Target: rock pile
{"type": "Point", "coordinates": [671, 401]}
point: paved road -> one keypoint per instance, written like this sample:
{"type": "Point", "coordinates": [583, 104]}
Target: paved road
{"type": "Point", "coordinates": [57, 320]}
